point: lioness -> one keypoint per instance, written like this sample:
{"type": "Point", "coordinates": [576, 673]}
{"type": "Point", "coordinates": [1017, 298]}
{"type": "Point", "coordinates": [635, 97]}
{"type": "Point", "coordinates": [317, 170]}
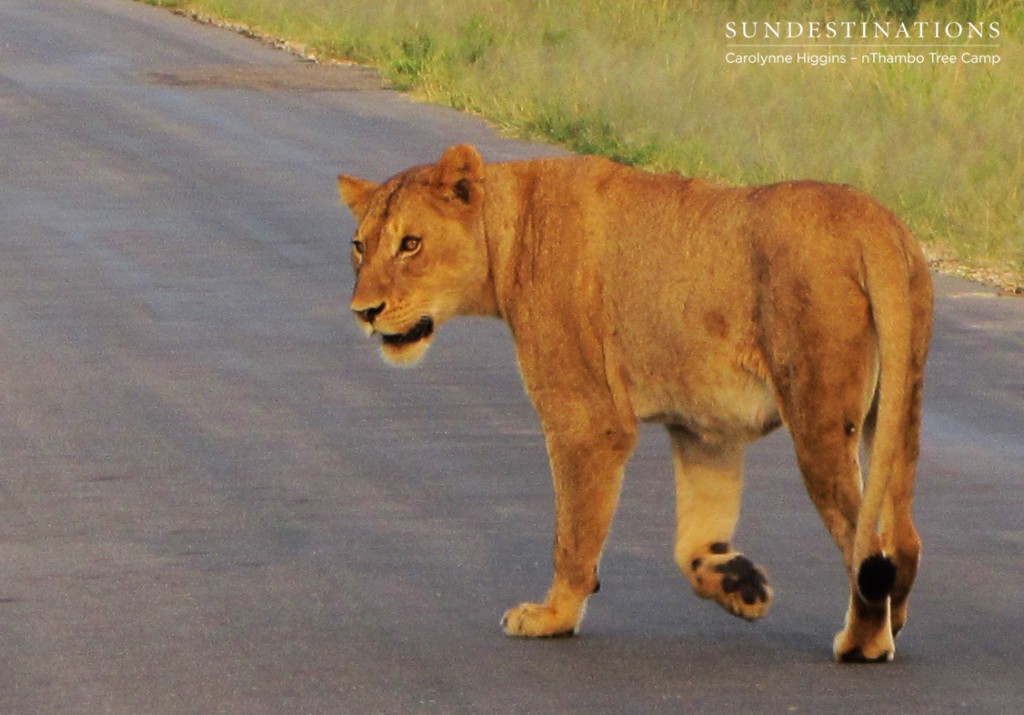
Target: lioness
{"type": "Point", "coordinates": [721, 313]}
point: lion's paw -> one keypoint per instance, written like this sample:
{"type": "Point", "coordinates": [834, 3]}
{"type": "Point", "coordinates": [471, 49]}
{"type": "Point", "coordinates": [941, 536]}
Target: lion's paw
{"type": "Point", "coordinates": [847, 648]}
{"type": "Point", "coordinates": [734, 583]}
{"type": "Point", "coordinates": [867, 636]}
{"type": "Point", "coordinates": [535, 620]}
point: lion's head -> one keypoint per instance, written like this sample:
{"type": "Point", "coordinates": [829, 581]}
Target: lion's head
{"type": "Point", "coordinates": [419, 252]}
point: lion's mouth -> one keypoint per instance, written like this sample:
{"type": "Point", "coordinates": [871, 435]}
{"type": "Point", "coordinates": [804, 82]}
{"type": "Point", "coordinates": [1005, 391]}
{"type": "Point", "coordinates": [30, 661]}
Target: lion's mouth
{"type": "Point", "coordinates": [422, 330]}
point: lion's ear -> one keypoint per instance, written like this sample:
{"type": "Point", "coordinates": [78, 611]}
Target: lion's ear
{"type": "Point", "coordinates": [355, 193]}
{"type": "Point", "coordinates": [458, 173]}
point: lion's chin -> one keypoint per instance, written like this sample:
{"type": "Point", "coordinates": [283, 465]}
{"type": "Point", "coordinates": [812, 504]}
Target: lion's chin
{"type": "Point", "coordinates": [406, 355]}
{"type": "Point", "coordinates": [408, 348]}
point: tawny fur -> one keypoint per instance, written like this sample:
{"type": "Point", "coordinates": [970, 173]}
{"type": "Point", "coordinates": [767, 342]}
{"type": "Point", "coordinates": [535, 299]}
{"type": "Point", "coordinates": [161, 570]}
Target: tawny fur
{"type": "Point", "coordinates": [719, 312]}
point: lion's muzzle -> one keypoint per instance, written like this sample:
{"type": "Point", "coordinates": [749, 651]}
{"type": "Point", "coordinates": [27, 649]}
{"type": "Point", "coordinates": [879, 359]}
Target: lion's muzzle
{"type": "Point", "coordinates": [423, 329]}
{"type": "Point", "coordinates": [368, 315]}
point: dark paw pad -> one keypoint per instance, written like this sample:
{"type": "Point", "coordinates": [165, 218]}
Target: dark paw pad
{"type": "Point", "coordinates": [857, 656]}
{"type": "Point", "coordinates": [564, 634]}
{"type": "Point", "coordinates": [739, 574]}
{"type": "Point", "coordinates": [876, 577]}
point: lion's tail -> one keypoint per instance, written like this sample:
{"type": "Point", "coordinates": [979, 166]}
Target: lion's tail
{"type": "Point", "coordinates": [888, 288]}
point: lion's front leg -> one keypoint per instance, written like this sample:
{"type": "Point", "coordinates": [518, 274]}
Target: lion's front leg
{"type": "Point", "coordinates": [587, 464]}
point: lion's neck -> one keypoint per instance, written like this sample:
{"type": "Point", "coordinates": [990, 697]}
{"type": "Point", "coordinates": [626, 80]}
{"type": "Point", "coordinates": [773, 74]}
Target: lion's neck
{"type": "Point", "coordinates": [507, 198]}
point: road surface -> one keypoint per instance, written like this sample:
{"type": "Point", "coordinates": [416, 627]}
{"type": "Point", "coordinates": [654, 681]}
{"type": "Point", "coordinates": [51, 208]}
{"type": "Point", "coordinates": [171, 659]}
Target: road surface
{"type": "Point", "coordinates": [214, 498]}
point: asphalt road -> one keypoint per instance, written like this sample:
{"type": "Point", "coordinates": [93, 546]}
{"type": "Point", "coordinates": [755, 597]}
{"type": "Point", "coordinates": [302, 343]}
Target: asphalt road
{"type": "Point", "coordinates": [215, 499]}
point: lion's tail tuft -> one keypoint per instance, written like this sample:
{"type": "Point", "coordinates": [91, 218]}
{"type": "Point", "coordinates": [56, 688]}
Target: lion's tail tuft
{"type": "Point", "coordinates": [876, 577]}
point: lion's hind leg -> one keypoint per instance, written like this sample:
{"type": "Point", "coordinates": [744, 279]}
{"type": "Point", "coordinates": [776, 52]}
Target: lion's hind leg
{"type": "Point", "coordinates": [709, 484]}
{"type": "Point", "coordinates": [898, 535]}
{"type": "Point", "coordinates": [826, 372]}
{"type": "Point", "coordinates": [826, 443]}
{"type": "Point", "coordinates": [827, 454]}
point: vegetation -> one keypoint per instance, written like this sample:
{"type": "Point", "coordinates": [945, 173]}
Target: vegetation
{"type": "Point", "coordinates": [647, 82]}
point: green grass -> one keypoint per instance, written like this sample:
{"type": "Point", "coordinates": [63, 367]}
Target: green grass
{"type": "Point", "coordinates": [645, 82]}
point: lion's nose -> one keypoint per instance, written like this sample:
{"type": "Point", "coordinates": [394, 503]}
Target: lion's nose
{"type": "Point", "coordinates": [369, 315]}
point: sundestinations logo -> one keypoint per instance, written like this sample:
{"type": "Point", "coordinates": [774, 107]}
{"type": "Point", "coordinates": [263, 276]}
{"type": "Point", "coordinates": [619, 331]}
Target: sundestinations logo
{"type": "Point", "coordinates": [864, 30]}
{"type": "Point", "coordinates": [837, 42]}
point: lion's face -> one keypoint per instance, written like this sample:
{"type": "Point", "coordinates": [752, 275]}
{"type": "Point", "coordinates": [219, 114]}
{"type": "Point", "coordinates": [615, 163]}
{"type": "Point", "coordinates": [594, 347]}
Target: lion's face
{"type": "Point", "coordinates": [418, 253]}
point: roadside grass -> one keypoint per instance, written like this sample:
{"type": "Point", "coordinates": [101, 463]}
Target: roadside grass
{"type": "Point", "coordinates": [646, 82]}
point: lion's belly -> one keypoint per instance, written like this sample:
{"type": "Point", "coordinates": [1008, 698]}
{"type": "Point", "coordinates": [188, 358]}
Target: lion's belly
{"type": "Point", "coordinates": [725, 416]}
{"type": "Point", "coordinates": [710, 395]}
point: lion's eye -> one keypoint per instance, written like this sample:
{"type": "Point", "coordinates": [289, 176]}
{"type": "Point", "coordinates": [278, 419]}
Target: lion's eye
{"type": "Point", "coordinates": [410, 244]}
{"type": "Point", "coordinates": [359, 247]}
